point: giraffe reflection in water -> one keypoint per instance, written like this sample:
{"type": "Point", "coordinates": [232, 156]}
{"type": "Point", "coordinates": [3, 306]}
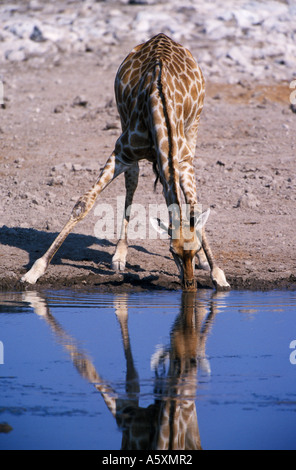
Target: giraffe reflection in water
{"type": "Point", "coordinates": [170, 422]}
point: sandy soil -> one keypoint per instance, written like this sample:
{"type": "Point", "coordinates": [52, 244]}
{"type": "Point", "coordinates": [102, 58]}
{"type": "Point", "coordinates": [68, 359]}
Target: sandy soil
{"type": "Point", "coordinates": [58, 125]}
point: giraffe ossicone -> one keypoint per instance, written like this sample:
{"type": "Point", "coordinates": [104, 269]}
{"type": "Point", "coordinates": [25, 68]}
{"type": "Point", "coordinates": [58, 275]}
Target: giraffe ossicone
{"type": "Point", "coordinates": [159, 92]}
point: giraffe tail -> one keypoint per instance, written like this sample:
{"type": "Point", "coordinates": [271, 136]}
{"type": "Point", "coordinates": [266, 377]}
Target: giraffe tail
{"type": "Point", "coordinates": [157, 175]}
{"type": "Point", "coordinates": [164, 124]}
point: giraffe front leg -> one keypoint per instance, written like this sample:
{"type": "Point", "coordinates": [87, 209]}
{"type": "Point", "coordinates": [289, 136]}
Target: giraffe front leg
{"type": "Point", "coordinates": [112, 169]}
{"type": "Point", "coordinates": [40, 266]}
{"type": "Point", "coordinates": [217, 275]}
{"type": "Point", "coordinates": [131, 183]}
{"type": "Point", "coordinates": [205, 255]}
{"type": "Point", "coordinates": [119, 258]}
{"type": "Point", "coordinates": [219, 279]}
{"type": "Point", "coordinates": [202, 262]}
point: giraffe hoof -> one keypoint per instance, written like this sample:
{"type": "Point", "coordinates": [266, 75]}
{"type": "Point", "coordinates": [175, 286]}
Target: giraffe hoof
{"type": "Point", "coordinates": [219, 279]}
{"type": "Point", "coordinates": [118, 265]}
{"type": "Point", "coordinates": [37, 270]}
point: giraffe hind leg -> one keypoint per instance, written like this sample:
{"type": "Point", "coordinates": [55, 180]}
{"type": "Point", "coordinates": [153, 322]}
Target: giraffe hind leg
{"type": "Point", "coordinates": [112, 169]}
{"type": "Point", "coordinates": [131, 183]}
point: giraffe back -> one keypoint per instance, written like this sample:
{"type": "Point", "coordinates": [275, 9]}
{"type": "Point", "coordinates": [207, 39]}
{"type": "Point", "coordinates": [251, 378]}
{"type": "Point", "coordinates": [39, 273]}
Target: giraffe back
{"type": "Point", "coordinates": [158, 86]}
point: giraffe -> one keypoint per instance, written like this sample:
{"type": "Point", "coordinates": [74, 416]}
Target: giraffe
{"type": "Point", "coordinates": [170, 422]}
{"type": "Point", "coordinates": [159, 91]}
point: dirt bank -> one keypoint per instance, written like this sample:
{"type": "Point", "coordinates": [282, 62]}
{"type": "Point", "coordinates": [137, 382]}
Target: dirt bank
{"type": "Point", "coordinates": [58, 125]}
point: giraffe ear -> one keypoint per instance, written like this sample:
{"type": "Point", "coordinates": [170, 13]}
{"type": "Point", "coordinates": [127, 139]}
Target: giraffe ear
{"type": "Point", "coordinates": [161, 227]}
{"type": "Point", "coordinates": [202, 220]}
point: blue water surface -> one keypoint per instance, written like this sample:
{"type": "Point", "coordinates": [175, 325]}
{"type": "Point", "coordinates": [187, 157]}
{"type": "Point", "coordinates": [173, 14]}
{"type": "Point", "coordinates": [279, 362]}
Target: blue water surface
{"type": "Point", "coordinates": [246, 389]}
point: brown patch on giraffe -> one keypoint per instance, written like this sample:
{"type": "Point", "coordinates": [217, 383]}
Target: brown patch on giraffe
{"type": "Point", "coordinates": [157, 118]}
{"type": "Point", "coordinates": [194, 93]}
{"type": "Point", "coordinates": [178, 97]}
{"type": "Point", "coordinates": [179, 115]}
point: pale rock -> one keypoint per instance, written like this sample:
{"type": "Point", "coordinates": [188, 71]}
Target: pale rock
{"type": "Point", "coordinates": [239, 55]}
{"type": "Point", "coordinates": [246, 18]}
{"type": "Point", "coordinates": [53, 33]}
{"type": "Point", "coordinates": [22, 29]}
{"type": "Point", "coordinates": [248, 200]}
{"type": "Point", "coordinates": [15, 55]}
{"type": "Point", "coordinates": [217, 30]}
{"type": "Point", "coordinates": [35, 5]}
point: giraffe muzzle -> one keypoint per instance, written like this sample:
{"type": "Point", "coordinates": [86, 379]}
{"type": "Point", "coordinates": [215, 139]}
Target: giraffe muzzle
{"type": "Point", "coordinates": [189, 285]}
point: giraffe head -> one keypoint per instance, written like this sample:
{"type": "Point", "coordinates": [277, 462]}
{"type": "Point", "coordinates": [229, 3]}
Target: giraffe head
{"type": "Point", "coordinates": [186, 241]}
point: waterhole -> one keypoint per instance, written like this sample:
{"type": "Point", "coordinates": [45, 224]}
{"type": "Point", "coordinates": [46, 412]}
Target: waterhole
{"type": "Point", "coordinates": [93, 371]}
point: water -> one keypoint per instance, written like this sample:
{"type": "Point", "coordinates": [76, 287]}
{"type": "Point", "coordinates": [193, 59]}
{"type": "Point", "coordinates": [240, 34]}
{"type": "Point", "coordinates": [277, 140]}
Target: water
{"type": "Point", "coordinates": [66, 355]}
